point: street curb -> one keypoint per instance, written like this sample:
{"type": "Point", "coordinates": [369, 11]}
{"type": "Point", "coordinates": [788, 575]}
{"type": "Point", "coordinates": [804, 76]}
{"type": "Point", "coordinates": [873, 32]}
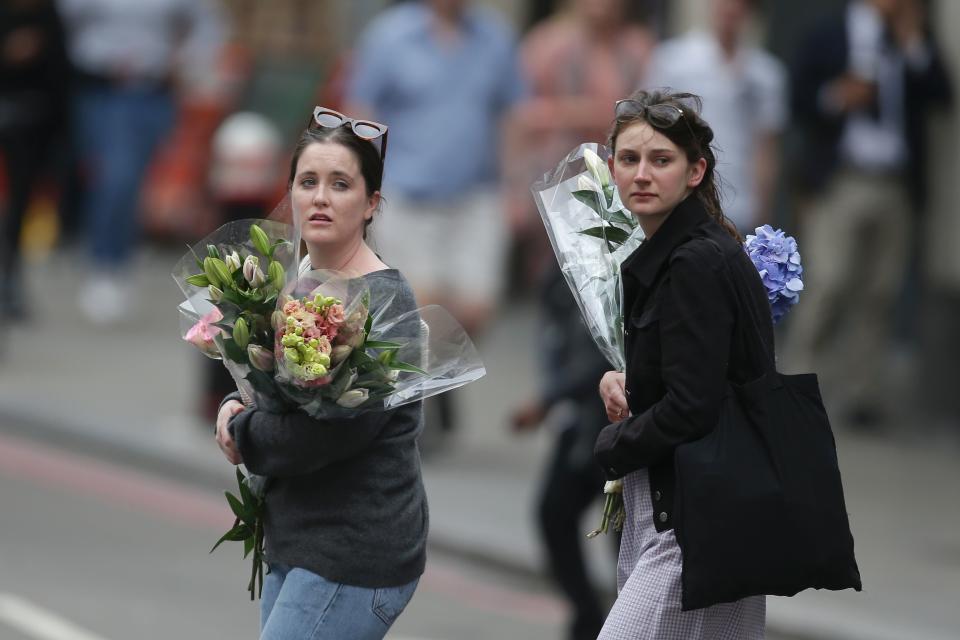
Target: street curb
{"type": "Point", "coordinates": [87, 438]}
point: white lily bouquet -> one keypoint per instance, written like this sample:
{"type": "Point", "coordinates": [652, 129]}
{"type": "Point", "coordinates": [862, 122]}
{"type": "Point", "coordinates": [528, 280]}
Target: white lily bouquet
{"type": "Point", "coordinates": [312, 341]}
{"type": "Point", "coordinates": [592, 234]}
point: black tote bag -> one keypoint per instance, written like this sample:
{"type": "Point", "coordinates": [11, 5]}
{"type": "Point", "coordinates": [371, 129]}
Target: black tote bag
{"type": "Point", "coordinates": [759, 501]}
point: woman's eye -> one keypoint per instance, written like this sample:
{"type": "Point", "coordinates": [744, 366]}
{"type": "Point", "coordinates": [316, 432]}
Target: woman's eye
{"type": "Point", "coordinates": [340, 184]}
{"type": "Point", "coordinates": [660, 162]}
{"type": "Point", "coordinates": [308, 182]}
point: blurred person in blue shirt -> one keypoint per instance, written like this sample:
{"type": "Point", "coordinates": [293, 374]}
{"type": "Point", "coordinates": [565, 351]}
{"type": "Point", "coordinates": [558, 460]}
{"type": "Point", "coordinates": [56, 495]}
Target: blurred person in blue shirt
{"type": "Point", "coordinates": [127, 57]}
{"type": "Point", "coordinates": [442, 74]}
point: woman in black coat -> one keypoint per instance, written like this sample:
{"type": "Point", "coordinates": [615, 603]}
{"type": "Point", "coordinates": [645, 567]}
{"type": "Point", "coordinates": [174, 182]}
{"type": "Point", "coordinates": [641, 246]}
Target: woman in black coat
{"type": "Point", "coordinates": [682, 347]}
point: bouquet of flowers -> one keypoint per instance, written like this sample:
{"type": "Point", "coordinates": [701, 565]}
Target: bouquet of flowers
{"type": "Point", "coordinates": [295, 339]}
{"type": "Point", "coordinates": [591, 234]}
{"type": "Point", "coordinates": [775, 256]}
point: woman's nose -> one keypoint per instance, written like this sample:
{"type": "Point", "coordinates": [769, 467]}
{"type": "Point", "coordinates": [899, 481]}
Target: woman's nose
{"type": "Point", "coordinates": [320, 196]}
{"type": "Point", "coordinates": [643, 173]}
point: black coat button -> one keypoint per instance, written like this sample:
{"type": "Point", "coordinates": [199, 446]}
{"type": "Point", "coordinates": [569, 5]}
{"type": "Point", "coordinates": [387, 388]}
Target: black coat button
{"type": "Point", "coordinates": [663, 516]}
{"type": "Point", "coordinates": [657, 495]}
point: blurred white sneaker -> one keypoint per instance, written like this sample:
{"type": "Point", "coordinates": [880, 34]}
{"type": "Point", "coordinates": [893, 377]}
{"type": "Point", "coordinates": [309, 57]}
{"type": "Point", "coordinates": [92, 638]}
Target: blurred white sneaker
{"type": "Point", "coordinates": [105, 299]}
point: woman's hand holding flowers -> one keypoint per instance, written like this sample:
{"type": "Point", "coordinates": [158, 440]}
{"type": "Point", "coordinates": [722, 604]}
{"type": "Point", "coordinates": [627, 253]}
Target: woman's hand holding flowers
{"type": "Point", "coordinates": [225, 441]}
{"type": "Point", "coordinates": [613, 394]}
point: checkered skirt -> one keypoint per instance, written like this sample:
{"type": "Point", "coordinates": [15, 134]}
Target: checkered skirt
{"type": "Point", "coordinates": [648, 585]}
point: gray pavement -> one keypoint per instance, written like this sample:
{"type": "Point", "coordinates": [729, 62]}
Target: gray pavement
{"type": "Point", "coordinates": [133, 389]}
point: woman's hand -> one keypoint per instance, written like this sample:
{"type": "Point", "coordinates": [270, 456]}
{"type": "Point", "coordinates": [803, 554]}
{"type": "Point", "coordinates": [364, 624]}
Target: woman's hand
{"type": "Point", "coordinates": [224, 439]}
{"type": "Point", "coordinates": [614, 395]}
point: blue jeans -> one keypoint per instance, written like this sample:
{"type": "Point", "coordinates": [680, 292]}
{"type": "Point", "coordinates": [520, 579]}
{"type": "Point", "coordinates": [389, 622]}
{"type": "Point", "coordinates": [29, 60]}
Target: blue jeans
{"type": "Point", "coordinates": [118, 131]}
{"type": "Point", "coordinates": [297, 603]}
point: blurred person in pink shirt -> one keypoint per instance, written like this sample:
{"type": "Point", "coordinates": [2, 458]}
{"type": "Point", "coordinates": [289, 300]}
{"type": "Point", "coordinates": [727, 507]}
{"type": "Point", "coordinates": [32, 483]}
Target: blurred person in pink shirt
{"type": "Point", "coordinates": [577, 62]}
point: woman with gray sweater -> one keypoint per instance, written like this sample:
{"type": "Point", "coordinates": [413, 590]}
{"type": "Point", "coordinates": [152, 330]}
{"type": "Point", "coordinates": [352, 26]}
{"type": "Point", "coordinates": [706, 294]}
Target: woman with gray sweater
{"type": "Point", "coordinates": [345, 510]}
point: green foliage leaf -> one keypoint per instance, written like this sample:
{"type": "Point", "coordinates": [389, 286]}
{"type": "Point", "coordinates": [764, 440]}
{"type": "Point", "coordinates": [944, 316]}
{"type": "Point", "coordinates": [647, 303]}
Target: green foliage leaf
{"type": "Point", "coordinates": [239, 509]}
{"type": "Point", "coordinates": [619, 217]}
{"type": "Point", "coordinates": [590, 198]}
{"type": "Point", "coordinates": [233, 351]}
{"type": "Point", "coordinates": [199, 280]}
{"type": "Point", "coordinates": [212, 251]}
{"type": "Point", "coordinates": [405, 366]}
{"type": "Point", "coordinates": [382, 344]}
{"type": "Point", "coordinates": [237, 533]}
{"type": "Point", "coordinates": [610, 234]}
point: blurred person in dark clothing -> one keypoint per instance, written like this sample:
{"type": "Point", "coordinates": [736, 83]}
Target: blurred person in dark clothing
{"type": "Point", "coordinates": [128, 56]}
{"type": "Point", "coordinates": [442, 74]}
{"type": "Point", "coordinates": [33, 111]}
{"type": "Point", "coordinates": [571, 366]}
{"type": "Point", "coordinates": [862, 85]}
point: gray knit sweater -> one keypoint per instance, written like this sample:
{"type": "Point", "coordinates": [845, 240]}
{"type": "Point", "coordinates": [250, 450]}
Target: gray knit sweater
{"type": "Point", "coordinates": [346, 498]}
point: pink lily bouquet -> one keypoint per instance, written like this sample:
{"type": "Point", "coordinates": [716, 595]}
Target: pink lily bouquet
{"type": "Point", "coordinates": [301, 340]}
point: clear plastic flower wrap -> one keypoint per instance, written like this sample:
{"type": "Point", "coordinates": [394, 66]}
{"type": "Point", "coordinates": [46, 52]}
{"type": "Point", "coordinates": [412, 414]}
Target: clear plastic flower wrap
{"type": "Point", "coordinates": [231, 281]}
{"type": "Point", "coordinates": [591, 234]}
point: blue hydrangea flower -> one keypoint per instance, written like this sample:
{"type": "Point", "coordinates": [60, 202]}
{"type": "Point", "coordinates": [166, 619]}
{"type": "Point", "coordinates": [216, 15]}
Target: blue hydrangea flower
{"type": "Point", "coordinates": [775, 255]}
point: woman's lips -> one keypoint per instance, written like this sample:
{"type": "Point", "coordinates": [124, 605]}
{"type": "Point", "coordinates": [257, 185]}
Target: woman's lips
{"type": "Point", "coordinates": [643, 194]}
{"type": "Point", "coordinates": [319, 218]}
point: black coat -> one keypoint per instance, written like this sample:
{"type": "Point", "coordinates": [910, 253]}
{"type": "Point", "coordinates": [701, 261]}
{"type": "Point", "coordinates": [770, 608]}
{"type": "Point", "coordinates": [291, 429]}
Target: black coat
{"type": "Point", "coordinates": [682, 345]}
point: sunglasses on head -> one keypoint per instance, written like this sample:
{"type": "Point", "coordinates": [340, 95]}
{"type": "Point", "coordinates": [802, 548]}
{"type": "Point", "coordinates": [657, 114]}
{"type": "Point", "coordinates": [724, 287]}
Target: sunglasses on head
{"type": "Point", "coordinates": [373, 132]}
{"type": "Point", "coordinates": [662, 116]}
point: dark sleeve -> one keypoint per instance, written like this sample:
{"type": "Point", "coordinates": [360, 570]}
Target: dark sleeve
{"type": "Point", "coordinates": [293, 443]}
{"type": "Point", "coordinates": [931, 81]}
{"type": "Point", "coordinates": [696, 325]}
{"type": "Point", "coordinates": [812, 68]}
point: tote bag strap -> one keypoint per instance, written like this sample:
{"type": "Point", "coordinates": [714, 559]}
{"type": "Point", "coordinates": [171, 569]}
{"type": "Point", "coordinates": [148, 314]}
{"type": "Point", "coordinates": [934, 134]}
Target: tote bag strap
{"type": "Point", "coordinates": [748, 327]}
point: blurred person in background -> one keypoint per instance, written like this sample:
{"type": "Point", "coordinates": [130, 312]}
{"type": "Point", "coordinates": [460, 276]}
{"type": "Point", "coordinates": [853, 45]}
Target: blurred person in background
{"type": "Point", "coordinates": [863, 83]}
{"type": "Point", "coordinates": [345, 513]}
{"type": "Point", "coordinates": [129, 58]}
{"type": "Point", "coordinates": [570, 366]}
{"type": "Point", "coordinates": [577, 63]}
{"type": "Point", "coordinates": [744, 91]}
{"type": "Point", "coordinates": [34, 76]}
{"type": "Point", "coordinates": [442, 74]}
{"type": "Point", "coordinates": [246, 152]}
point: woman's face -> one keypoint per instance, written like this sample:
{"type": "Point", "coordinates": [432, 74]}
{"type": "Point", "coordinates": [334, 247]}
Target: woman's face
{"type": "Point", "coordinates": [652, 173]}
{"type": "Point", "coordinates": [329, 196]}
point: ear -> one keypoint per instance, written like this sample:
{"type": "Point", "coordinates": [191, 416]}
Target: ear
{"type": "Point", "coordinates": [372, 203]}
{"type": "Point", "coordinates": [695, 173]}
{"type": "Point", "coordinates": [610, 164]}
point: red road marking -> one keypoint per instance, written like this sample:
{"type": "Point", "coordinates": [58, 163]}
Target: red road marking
{"type": "Point", "coordinates": [152, 495]}
{"type": "Point", "coordinates": [166, 499]}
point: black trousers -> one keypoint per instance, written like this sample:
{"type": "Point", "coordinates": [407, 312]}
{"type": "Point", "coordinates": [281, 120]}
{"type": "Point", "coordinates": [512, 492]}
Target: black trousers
{"type": "Point", "coordinates": [572, 482]}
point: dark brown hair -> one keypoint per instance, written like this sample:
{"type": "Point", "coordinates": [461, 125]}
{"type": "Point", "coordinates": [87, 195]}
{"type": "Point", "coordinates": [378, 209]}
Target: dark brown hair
{"type": "Point", "coordinates": [371, 166]}
{"type": "Point", "coordinates": [692, 134]}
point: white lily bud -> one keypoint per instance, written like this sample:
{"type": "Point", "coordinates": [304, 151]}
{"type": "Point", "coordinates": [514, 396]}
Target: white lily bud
{"type": "Point", "coordinates": [250, 265]}
{"type": "Point", "coordinates": [233, 261]}
{"type": "Point", "coordinates": [353, 398]}
{"type": "Point", "coordinates": [597, 167]}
